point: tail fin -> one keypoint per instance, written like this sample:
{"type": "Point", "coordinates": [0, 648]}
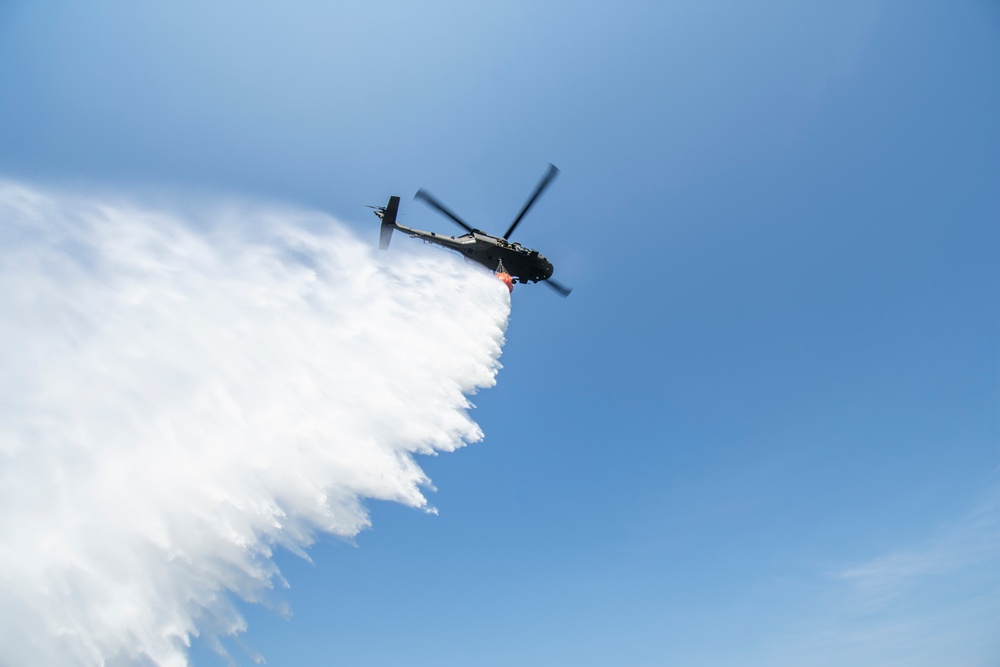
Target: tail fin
{"type": "Point", "coordinates": [388, 222]}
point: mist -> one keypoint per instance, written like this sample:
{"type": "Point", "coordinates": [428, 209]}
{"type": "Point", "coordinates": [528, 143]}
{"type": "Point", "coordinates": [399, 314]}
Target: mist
{"type": "Point", "coordinates": [181, 395]}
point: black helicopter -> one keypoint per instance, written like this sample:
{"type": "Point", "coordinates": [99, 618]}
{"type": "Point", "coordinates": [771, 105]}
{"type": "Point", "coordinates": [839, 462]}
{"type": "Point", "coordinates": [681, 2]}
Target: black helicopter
{"type": "Point", "coordinates": [524, 265]}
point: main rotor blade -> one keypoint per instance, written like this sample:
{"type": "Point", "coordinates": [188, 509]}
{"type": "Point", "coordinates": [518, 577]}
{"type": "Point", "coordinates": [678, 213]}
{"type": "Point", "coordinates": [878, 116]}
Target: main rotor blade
{"type": "Point", "coordinates": [434, 203]}
{"type": "Point", "coordinates": [544, 183]}
{"type": "Point", "coordinates": [559, 287]}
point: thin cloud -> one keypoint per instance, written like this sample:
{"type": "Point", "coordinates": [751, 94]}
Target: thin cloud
{"type": "Point", "coordinates": [965, 544]}
{"type": "Point", "coordinates": [932, 604]}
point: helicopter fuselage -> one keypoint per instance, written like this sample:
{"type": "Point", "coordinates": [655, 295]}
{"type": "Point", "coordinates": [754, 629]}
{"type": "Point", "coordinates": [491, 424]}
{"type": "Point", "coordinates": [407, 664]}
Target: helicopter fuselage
{"type": "Point", "coordinates": [524, 265]}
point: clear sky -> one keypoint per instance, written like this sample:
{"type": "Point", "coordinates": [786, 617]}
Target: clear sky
{"type": "Point", "coordinates": [765, 427]}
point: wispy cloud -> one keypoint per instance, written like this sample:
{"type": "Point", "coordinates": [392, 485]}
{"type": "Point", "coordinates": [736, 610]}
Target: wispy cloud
{"type": "Point", "coordinates": [970, 541]}
{"type": "Point", "coordinates": [935, 603]}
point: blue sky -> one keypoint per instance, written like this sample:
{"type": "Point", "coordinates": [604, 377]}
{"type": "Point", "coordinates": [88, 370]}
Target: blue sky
{"type": "Point", "coordinates": [763, 430]}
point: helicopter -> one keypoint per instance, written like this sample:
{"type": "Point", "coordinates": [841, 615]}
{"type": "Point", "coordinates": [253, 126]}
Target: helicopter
{"type": "Point", "coordinates": [497, 253]}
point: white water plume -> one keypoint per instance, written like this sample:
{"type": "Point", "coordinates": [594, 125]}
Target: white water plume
{"type": "Point", "coordinates": [180, 397]}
